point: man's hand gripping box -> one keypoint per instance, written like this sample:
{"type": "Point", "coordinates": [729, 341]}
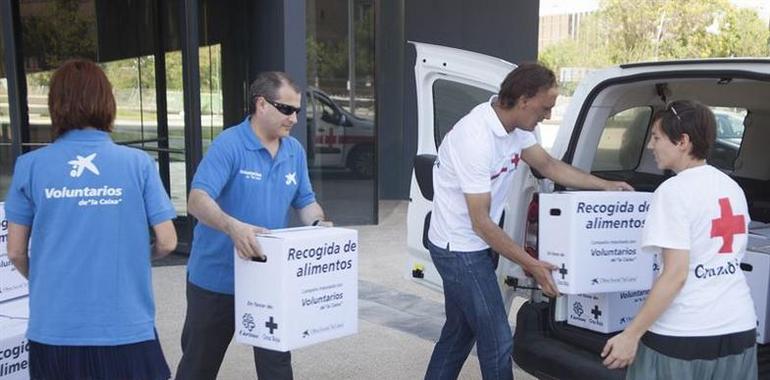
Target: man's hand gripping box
{"type": "Point", "coordinates": [593, 238]}
{"type": "Point", "coordinates": [305, 293]}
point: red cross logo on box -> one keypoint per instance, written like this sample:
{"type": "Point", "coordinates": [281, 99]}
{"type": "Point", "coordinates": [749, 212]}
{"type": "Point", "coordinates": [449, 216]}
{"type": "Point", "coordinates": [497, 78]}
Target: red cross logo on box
{"type": "Point", "coordinates": [727, 225]}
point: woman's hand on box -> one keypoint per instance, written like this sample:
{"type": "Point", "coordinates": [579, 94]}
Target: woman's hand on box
{"type": "Point", "coordinates": [620, 350]}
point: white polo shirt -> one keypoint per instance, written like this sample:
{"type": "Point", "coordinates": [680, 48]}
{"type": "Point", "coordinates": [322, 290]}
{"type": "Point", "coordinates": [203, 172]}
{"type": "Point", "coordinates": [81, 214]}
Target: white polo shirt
{"type": "Point", "coordinates": [477, 156]}
{"type": "Point", "coordinates": [703, 211]}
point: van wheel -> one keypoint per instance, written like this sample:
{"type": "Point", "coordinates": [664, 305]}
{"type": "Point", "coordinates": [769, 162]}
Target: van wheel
{"type": "Point", "coordinates": [361, 161]}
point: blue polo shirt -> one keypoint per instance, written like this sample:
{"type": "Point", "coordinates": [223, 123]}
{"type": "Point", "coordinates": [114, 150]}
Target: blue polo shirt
{"type": "Point", "coordinates": [250, 185]}
{"type": "Point", "coordinates": [89, 203]}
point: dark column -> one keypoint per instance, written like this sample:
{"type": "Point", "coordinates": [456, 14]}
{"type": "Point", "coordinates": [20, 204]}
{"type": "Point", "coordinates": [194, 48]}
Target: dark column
{"type": "Point", "coordinates": [278, 43]}
{"type": "Point", "coordinates": [389, 47]}
{"type": "Point", "coordinates": [188, 27]}
{"type": "Point", "coordinates": [192, 86]}
{"type": "Point", "coordinates": [14, 70]}
{"type": "Point", "coordinates": [235, 80]}
{"type": "Point", "coordinates": [160, 93]}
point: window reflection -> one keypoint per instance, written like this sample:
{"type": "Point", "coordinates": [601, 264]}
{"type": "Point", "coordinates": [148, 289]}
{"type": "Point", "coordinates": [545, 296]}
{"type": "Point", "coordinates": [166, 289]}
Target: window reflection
{"type": "Point", "coordinates": [339, 139]}
{"type": "Point", "coordinates": [623, 139]}
{"type": "Point", "coordinates": [340, 108]}
{"type": "Point", "coordinates": [729, 135]}
{"type": "Point", "coordinates": [52, 32]}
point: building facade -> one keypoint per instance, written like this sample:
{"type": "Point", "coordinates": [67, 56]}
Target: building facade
{"type": "Point", "coordinates": [181, 69]}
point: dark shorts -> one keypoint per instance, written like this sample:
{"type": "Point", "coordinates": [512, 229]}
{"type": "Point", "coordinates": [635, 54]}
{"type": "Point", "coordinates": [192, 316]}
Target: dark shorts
{"type": "Point", "coordinates": [135, 361]}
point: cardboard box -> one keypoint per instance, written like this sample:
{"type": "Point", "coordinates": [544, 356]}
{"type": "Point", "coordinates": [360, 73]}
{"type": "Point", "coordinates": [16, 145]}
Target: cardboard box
{"type": "Point", "coordinates": [14, 346]}
{"type": "Point", "coordinates": [756, 268]}
{"type": "Point", "coordinates": [12, 283]}
{"type": "Point", "coordinates": [305, 293]}
{"type": "Point", "coordinates": [593, 237]}
{"type": "Point", "coordinates": [605, 312]}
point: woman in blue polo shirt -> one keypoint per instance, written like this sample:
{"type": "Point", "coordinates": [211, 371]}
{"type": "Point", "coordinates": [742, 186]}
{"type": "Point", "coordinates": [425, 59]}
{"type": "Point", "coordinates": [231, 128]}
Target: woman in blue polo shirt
{"type": "Point", "coordinates": [84, 206]}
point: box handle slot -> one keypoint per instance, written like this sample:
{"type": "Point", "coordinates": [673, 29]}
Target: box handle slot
{"type": "Point", "coordinates": [746, 267]}
{"type": "Point", "coordinates": [262, 259]}
{"type": "Point", "coordinates": [555, 212]}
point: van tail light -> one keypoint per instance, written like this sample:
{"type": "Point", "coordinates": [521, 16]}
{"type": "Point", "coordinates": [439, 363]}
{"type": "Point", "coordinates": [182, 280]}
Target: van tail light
{"type": "Point", "coordinates": [531, 227]}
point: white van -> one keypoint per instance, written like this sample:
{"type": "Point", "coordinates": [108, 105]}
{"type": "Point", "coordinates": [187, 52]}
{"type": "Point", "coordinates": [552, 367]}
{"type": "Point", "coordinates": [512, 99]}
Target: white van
{"type": "Point", "coordinates": [604, 131]}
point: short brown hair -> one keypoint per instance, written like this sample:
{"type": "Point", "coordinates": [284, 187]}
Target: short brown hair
{"type": "Point", "coordinates": [80, 96]}
{"type": "Point", "coordinates": [694, 119]}
{"type": "Point", "coordinates": [266, 85]}
{"type": "Point", "coordinates": [527, 80]}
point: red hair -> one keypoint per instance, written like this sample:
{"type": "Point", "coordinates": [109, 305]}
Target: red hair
{"type": "Point", "coordinates": [80, 96]}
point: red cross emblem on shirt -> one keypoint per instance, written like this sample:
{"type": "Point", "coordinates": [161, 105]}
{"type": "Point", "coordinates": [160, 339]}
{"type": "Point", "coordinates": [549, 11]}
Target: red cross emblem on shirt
{"type": "Point", "coordinates": [727, 225]}
{"type": "Point", "coordinates": [515, 160]}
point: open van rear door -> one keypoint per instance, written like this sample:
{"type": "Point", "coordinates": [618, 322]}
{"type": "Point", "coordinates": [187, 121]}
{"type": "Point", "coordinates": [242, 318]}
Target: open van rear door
{"type": "Point", "coordinates": [449, 83]}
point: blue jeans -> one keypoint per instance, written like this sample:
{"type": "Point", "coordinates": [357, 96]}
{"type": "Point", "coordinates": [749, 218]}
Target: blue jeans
{"type": "Point", "coordinates": [474, 313]}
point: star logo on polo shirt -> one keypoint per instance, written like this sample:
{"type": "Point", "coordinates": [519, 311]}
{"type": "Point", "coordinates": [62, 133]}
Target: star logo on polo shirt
{"type": "Point", "coordinates": [291, 178]}
{"type": "Point", "coordinates": [81, 163]}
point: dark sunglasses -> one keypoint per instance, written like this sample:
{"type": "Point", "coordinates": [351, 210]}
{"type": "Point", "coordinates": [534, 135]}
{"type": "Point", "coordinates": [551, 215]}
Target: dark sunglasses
{"type": "Point", "coordinates": [284, 108]}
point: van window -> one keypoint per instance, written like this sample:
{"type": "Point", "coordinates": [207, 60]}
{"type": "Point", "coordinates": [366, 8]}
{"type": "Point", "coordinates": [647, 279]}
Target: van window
{"type": "Point", "coordinates": [451, 101]}
{"type": "Point", "coordinates": [623, 140]}
{"type": "Point", "coordinates": [729, 136]}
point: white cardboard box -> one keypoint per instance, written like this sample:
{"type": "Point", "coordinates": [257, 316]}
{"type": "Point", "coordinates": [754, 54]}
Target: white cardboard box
{"type": "Point", "coordinates": [14, 347]}
{"type": "Point", "coordinates": [593, 237]}
{"type": "Point", "coordinates": [12, 283]}
{"type": "Point", "coordinates": [305, 293]}
{"type": "Point", "coordinates": [756, 268]}
{"type": "Point", "coordinates": [605, 312]}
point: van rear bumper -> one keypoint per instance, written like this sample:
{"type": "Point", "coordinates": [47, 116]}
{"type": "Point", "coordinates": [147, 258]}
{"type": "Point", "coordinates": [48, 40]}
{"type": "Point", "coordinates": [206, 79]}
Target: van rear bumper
{"type": "Point", "coordinates": [557, 351]}
{"type": "Point", "coordinates": [537, 352]}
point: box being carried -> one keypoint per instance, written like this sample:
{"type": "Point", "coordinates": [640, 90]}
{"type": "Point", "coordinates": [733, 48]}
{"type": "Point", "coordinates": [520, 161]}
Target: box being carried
{"type": "Point", "coordinates": [305, 293]}
{"type": "Point", "coordinates": [756, 268]}
{"type": "Point", "coordinates": [14, 346]}
{"type": "Point", "coordinates": [604, 312]}
{"type": "Point", "coordinates": [12, 283]}
{"type": "Point", "coordinates": [593, 237]}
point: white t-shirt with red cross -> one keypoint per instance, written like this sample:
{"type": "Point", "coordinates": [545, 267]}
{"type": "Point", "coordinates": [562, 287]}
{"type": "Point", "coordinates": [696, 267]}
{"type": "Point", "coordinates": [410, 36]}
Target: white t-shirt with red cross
{"type": "Point", "coordinates": [477, 156]}
{"type": "Point", "coordinates": [703, 211]}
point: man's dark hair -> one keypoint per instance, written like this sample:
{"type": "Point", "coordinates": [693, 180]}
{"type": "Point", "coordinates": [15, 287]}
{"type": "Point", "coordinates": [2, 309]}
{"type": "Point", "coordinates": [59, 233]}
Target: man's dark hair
{"type": "Point", "coordinates": [266, 85]}
{"type": "Point", "coordinates": [527, 80]}
{"type": "Point", "coordinates": [694, 119]}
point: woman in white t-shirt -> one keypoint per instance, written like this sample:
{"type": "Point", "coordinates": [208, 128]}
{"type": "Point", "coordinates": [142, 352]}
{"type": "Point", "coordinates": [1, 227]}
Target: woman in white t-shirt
{"type": "Point", "coordinates": [698, 321]}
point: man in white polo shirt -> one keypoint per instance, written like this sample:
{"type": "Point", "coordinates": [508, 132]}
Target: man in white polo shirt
{"type": "Point", "coordinates": [472, 179]}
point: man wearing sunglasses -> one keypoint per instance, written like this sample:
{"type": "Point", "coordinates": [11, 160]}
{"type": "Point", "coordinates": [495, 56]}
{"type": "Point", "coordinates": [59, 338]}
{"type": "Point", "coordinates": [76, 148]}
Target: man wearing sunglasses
{"type": "Point", "coordinates": [251, 176]}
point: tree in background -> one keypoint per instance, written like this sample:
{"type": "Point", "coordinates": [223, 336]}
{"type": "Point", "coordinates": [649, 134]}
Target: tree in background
{"type": "Point", "coordinates": [61, 31]}
{"type": "Point", "coordinates": [651, 30]}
